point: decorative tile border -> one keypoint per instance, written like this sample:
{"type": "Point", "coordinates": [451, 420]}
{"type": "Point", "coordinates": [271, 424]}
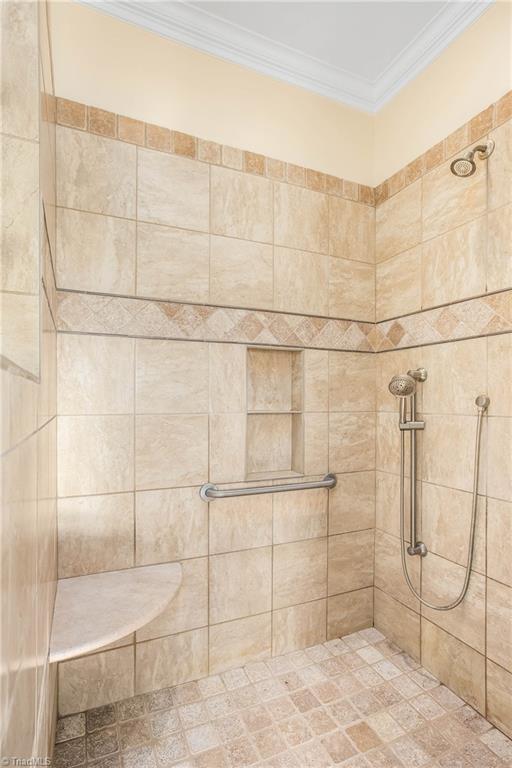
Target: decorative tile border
{"type": "Point", "coordinates": [493, 116]}
{"type": "Point", "coordinates": [94, 313]}
{"type": "Point", "coordinates": [72, 114]}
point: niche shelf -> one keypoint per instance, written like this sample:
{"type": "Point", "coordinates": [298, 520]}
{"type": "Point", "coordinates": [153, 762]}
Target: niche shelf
{"type": "Point", "coordinates": [96, 610]}
{"type": "Point", "coordinates": [275, 429]}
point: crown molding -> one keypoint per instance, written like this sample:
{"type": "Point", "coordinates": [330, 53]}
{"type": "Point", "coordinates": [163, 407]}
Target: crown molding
{"type": "Point", "coordinates": [201, 30]}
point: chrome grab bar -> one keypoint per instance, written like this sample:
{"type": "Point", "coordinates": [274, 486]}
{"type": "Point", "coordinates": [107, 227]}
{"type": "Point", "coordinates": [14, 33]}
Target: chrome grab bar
{"type": "Point", "coordinates": [209, 491]}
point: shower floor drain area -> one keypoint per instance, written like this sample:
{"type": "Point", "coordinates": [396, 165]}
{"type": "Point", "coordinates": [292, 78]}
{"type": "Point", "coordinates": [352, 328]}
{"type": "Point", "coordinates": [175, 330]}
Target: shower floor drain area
{"type": "Point", "coordinates": [358, 701]}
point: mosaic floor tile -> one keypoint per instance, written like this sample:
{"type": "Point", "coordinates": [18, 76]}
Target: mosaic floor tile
{"type": "Point", "coordinates": [357, 701]}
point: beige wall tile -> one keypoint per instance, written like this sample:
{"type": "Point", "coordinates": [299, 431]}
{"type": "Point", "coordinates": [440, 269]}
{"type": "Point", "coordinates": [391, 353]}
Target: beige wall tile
{"type": "Point", "coordinates": [351, 381]}
{"type": "Point", "coordinates": [92, 681]}
{"type": "Point", "coordinates": [172, 190]}
{"type": "Point", "coordinates": [499, 698]}
{"type": "Point", "coordinates": [188, 609]}
{"type": "Point", "coordinates": [500, 166]}
{"type": "Point", "coordinates": [240, 523]}
{"type": "Point", "coordinates": [351, 442]}
{"type": "Point", "coordinates": [95, 534]}
{"type": "Point", "coordinates": [349, 613]}
{"type": "Point", "coordinates": [350, 561]}
{"type": "Point", "coordinates": [241, 273]}
{"type": "Point", "coordinates": [499, 464]}
{"type": "Point", "coordinates": [447, 203]}
{"type": "Point", "coordinates": [499, 624]}
{"type": "Point", "coordinates": [301, 282]}
{"type": "Point", "coordinates": [274, 380]}
{"type": "Point", "coordinates": [238, 642]}
{"type": "Point", "coordinates": [398, 222]}
{"type": "Point", "coordinates": [388, 570]}
{"type": "Point", "coordinates": [499, 373]}
{"type": "Point", "coordinates": [298, 627]}
{"type": "Point", "coordinates": [398, 623]}
{"type": "Point", "coordinates": [316, 389]}
{"type": "Point", "coordinates": [227, 378]}
{"type": "Point", "coordinates": [241, 205]}
{"type": "Point", "coordinates": [171, 376]}
{"type": "Point", "coordinates": [240, 584]}
{"type": "Point", "coordinates": [300, 515]}
{"type": "Point", "coordinates": [351, 290]}
{"type": "Point", "coordinates": [172, 263]}
{"type": "Point", "coordinates": [398, 284]}
{"type": "Point", "coordinates": [316, 447]}
{"type": "Point", "coordinates": [95, 174]}
{"type": "Point", "coordinates": [352, 503]}
{"type": "Point", "coordinates": [454, 264]}
{"type": "Point", "coordinates": [227, 447]}
{"type": "Point", "coordinates": [269, 443]}
{"type": "Point", "coordinates": [95, 374]}
{"type": "Point", "coordinates": [389, 364]}
{"type": "Point", "coordinates": [441, 582]}
{"type": "Point", "coordinates": [299, 572]}
{"type": "Point", "coordinates": [95, 454]}
{"type": "Point", "coordinates": [300, 218]}
{"type": "Point", "coordinates": [95, 252]}
{"type": "Point", "coordinates": [456, 376]}
{"type": "Point", "coordinates": [388, 443]}
{"type": "Point", "coordinates": [499, 249]}
{"type": "Point", "coordinates": [171, 450]}
{"type": "Point", "coordinates": [499, 529]}
{"type": "Point", "coordinates": [387, 504]}
{"type": "Point", "coordinates": [170, 525]}
{"type": "Point", "coordinates": [457, 665]}
{"type": "Point", "coordinates": [351, 230]}
{"type": "Point", "coordinates": [20, 330]}
{"type": "Point", "coordinates": [156, 665]}
{"type": "Point", "coordinates": [452, 436]}
{"type": "Point", "coordinates": [447, 533]}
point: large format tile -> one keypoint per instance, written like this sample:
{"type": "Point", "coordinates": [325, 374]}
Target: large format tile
{"type": "Point", "coordinates": [240, 584]}
{"type": "Point", "coordinates": [301, 282]}
{"type": "Point", "coordinates": [351, 290]}
{"type": "Point", "coordinates": [301, 218]}
{"type": "Point", "coordinates": [350, 561]}
{"type": "Point", "coordinates": [95, 174]}
{"type": "Point", "coordinates": [398, 284]}
{"type": "Point", "coordinates": [452, 436]}
{"type": "Point", "coordinates": [388, 570]}
{"type": "Point", "coordinates": [351, 442]}
{"type": "Point", "coordinates": [241, 205]}
{"type": "Point", "coordinates": [227, 378]}
{"type": "Point", "coordinates": [352, 503]}
{"type": "Point", "coordinates": [172, 263]}
{"type": "Point", "coordinates": [172, 190]}
{"type": "Point", "coordinates": [316, 385]}
{"type": "Point", "coordinates": [399, 624]}
{"type": "Point", "coordinates": [455, 376]}
{"type": "Point", "coordinates": [351, 381]}
{"type": "Point", "coordinates": [500, 166]}
{"type": "Point", "coordinates": [95, 252]}
{"type": "Point", "coordinates": [227, 447]}
{"type": "Point", "coordinates": [298, 626]}
{"type": "Point", "coordinates": [299, 572]}
{"type": "Point", "coordinates": [499, 463]}
{"type": "Point", "coordinates": [239, 642]}
{"type": "Point", "coordinates": [92, 681]}
{"type": "Point", "coordinates": [499, 374]}
{"type": "Point", "coordinates": [499, 248]}
{"type": "Point", "coordinates": [351, 230]}
{"type": "Point", "coordinates": [499, 698]}
{"type": "Point", "coordinates": [499, 529]}
{"type": "Point", "coordinates": [349, 612]}
{"type": "Point", "coordinates": [241, 273]}
{"type": "Point", "coordinates": [499, 623]}
{"type": "Point", "coordinates": [398, 222]}
{"type": "Point", "coordinates": [300, 515]}
{"type": "Point", "coordinates": [156, 665]}
{"type": "Point", "coordinates": [241, 523]}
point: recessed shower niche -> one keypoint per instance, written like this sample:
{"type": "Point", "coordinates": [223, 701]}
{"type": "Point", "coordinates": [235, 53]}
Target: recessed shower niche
{"type": "Point", "coordinates": [275, 431]}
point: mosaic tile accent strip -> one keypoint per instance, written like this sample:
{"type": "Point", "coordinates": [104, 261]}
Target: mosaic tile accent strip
{"type": "Point", "coordinates": [86, 118]}
{"type": "Point", "coordinates": [94, 313]}
{"type": "Point", "coordinates": [491, 117]}
{"type": "Point", "coordinates": [357, 701]}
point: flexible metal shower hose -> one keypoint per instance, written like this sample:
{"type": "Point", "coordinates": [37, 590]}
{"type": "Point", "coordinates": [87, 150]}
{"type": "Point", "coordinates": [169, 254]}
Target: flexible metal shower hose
{"type": "Point", "coordinates": [471, 547]}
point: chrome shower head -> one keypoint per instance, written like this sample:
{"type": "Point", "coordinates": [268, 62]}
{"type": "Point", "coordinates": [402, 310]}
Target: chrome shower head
{"type": "Point", "coordinates": [402, 385]}
{"type": "Point", "coordinates": [466, 166]}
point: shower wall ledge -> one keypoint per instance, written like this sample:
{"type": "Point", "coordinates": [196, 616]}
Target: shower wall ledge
{"type": "Point", "coordinates": [94, 611]}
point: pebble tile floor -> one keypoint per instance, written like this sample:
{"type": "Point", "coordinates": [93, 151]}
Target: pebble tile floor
{"type": "Point", "coordinates": [357, 701]}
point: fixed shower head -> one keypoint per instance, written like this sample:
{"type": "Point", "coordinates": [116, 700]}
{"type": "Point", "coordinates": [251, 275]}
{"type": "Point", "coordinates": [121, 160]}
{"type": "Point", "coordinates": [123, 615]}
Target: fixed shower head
{"type": "Point", "coordinates": [402, 385]}
{"type": "Point", "coordinates": [466, 166]}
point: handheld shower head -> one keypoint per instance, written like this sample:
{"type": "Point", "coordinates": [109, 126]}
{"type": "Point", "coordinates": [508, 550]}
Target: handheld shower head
{"type": "Point", "coordinates": [466, 166]}
{"type": "Point", "coordinates": [402, 385]}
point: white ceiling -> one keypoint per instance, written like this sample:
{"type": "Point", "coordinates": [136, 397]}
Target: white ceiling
{"type": "Point", "coordinates": [360, 53]}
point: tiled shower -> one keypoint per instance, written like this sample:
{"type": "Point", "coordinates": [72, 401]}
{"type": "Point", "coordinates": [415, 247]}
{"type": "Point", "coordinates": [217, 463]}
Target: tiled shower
{"type": "Point", "coordinates": [212, 315]}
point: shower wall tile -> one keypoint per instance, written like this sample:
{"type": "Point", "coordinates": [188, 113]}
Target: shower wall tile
{"type": "Point", "coordinates": [156, 665]}
{"type": "Point", "coordinates": [172, 263]}
{"type": "Point", "coordinates": [351, 442]}
{"type": "Point", "coordinates": [96, 533]}
{"type": "Point", "coordinates": [398, 222]}
{"type": "Point", "coordinates": [499, 464]}
{"type": "Point", "coordinates": [350, 561]}
{"type": "Point", "coordinates": [301, 218]}
{"type": "Point", "coordinates": [316, 445]}
{"type": "Point", "coordinates": [455, 664]}
{"type": "Point", "coordinates": [351, 230]}
{"type": "Point", "coordinates": [500, 167]}
{"type": "Point", "coordinates": [95, 252]}
{"type": "Point", "coordinates": [499, 697]}
{"type": "Point", "coordinates": [316, 386]}
{"type": "Point", "coordinates": [388, 571]}
{"type": "Point", "coordinates": [499, 248]}
{"type": "Point", "coordinates": [298, 626]}
{"type": "Point", "coordinates": [299, 572]}
{"type": "Point", "coordinates": [227, 378]}
{"type": "Point", "coordinates": [349, 612]}
{"type": "Point", "coordinates": [239, 642]}
{"type": "Point", "coordinates": [300, 515]}
{"type": "Point", "coordinates": [351, 289]}
{"type": "Point", "coordinates": [95, 680]}
{"type": "Point", "coordinates": [400, 624]}
{"type": "Point", "coordinates": [240, 584]}
{"type": "Point", "coordinates": [351, 382]}
{"type": "Point", "coordinates": [398, 284]}
{"type": "Point", "coordinates": [499, 529]}
{"type": "Point", "coordinates": [95, 174]}
{"type": "Point", "coordinates": [454, 436]}
{"type": "Point", "coordinates": [241, 273]}
{"type": "Point", "coordinates": [352, 503]}
{"type": "Point", "coordinates": [499, 624]}
{"type": "Point", "coordinates": [228, 447]}
{"type": "Point", "coordinates": [245, 523]}
{"type": "Point", "coordinates": [460, 364]}
{"type": "Point", "coordinates": [301, 282]}
{"type": "Point", "coordinates": [241, 205]}
{"type": "Point", "coordinates": [172, 190]}
{"type": "Point", "coordinates": [388, 443]}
